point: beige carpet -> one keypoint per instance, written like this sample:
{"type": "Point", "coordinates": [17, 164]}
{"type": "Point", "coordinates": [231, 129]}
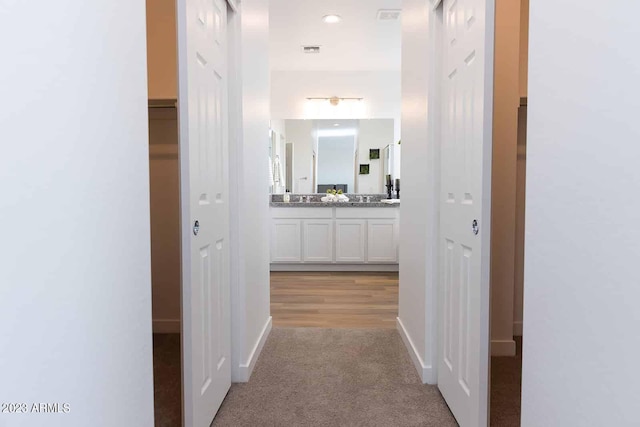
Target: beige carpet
{"type": "Point", "coordinates": [334, 377]}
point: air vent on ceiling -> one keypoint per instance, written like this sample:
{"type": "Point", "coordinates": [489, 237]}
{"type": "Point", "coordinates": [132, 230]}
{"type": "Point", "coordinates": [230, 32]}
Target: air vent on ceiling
{"type": "Point", "coordinates": [311, 49]}
{"type": "Point", "coordinates": [388, 14]}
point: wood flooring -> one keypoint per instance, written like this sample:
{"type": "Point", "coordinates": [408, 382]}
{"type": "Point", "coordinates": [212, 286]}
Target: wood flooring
{"type": "Point", "coordinates": [334, 299]}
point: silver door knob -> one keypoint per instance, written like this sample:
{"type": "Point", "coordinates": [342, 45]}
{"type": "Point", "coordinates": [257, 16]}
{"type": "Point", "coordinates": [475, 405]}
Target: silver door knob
{"type": "Point", "coordinates": [196, 228]}
{"type": "Point", "coordinates": [475, 227]}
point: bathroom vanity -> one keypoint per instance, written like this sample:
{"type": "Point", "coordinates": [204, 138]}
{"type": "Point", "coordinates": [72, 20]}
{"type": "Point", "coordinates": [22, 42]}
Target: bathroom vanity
{"type": "Point", "coordinates": [317, 236]}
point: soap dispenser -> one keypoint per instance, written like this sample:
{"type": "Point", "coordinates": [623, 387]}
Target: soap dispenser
{"type": "Point", "coordinates": [286, 197]}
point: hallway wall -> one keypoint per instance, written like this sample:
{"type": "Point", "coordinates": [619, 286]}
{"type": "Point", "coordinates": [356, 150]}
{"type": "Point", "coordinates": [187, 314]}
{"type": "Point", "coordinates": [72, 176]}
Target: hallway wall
{"type": "Point", "coordinates": [581, 316]}
{"type": "Point", "coordinates": [75, 273]}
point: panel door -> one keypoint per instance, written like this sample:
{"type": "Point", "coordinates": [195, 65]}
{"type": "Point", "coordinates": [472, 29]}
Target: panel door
{"type": "Point", "coordinates": [467, 64]}
{"type": "Point", "coordinates": [382, 241]}
{"type": "Point", "coordinates": [204, 157]}
{"type": "Point", "coordinates": [350, 240]}
{"type": "Point", "coordinates": [286, 244]}
{"type": "Point", "coordinates": [318, 240]}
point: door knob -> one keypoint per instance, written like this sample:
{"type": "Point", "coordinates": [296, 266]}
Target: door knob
{"type": "Point", "coordinates": [475, 227]}
{"type": "Point", "coordinates": [196, 227]}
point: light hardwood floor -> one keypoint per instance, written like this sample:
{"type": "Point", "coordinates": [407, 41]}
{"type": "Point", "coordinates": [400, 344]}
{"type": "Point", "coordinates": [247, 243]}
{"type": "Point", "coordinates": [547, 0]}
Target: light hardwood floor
{"type": "Point", "coordinates": [334, 299]}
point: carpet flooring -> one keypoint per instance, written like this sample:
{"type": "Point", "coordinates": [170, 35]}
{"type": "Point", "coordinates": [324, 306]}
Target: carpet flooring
{"type": "Point", "coordinates": [360, 374]}
{"type": "Point", "coordinates": [167, 378]}
{"type": "Point", "coordinates": [506, 382]}
{"type": "Point", "coordinates": [334, 377]}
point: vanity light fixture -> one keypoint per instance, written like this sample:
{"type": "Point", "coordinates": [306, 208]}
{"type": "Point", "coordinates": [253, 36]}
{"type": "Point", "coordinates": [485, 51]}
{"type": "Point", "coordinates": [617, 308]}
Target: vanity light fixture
{"type": "Point", "coordinates": [334, 100]}
{"type": "Point", "coordinates": [331, 19]}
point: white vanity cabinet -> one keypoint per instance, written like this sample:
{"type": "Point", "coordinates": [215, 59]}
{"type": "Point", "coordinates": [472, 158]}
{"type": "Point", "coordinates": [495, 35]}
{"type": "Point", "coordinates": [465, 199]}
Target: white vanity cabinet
{"type": "Point", "coordinates": [286, 245]}
{"type": "Point", "coordinates": [337, 238]}
{"type": "Point", "coordinates": [351, 235]}
{"type": "Point", "coordinates": [317, 240]}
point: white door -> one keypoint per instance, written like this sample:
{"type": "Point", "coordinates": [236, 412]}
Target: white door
{"type": "Point", "coordinates": [350, 240]}
{"type": "Point", "coordinates": [467, 60]}
{"type": "Point", "coordinates": [205, 204]}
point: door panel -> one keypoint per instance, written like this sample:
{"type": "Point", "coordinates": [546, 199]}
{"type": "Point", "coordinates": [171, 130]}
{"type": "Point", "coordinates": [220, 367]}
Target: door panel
{"type": "Point", "coordinates": [465, 190]}
{"type": "Point", "coordinates": [350, 240]}
{"type": "Point", "coordinates": [204, 174]}
{"type": "Point", "coordinates": [382, 240]}
{"type": "Point", "coordinates": [318, 240]}
{"type": "Point", "coordinates": [286, 244]}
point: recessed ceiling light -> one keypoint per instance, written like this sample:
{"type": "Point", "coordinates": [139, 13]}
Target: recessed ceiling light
{"type": "Point", "coordinates": [331, 19]}
{"type": "Point", "coordinates": [336, 124]}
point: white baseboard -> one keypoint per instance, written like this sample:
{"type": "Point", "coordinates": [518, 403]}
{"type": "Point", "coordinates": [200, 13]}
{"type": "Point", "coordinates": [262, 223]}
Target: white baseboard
{"type": "Point", "coordinates": [503, 348]}
{"type": "Point", "coordinates": [166, 326]}
{"type": "Point", "coordinates": [517, 328]}
{"type": "Point", "coordinates": [426, 372]}
{"type": "Point", "coordinates": [245, 369]}
{"type": "Point", "coordinates": [334, 267]}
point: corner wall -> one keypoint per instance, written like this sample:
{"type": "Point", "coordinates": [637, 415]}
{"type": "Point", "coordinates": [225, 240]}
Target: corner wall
{"type": "Point", "coordinates": [251, 320]}
{"type": "Point", "coordinates": [420, 189]}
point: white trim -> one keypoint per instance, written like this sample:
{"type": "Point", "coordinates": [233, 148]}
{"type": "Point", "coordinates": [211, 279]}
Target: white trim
{"type": "Point", "coordinates": [435, 4]}
{"type": "Point", "coordinates": [503, 348]}
{"type": "Point", "coordinates": [245, 369]}
{"type": "Point", "coordinates": [166, 326]}
{"type": "Point", "coordinates": [425, 372]}
{"type": "Point", "coordinates": [517, 328]}
{"type": "Point", "coordinates": [334, 267]}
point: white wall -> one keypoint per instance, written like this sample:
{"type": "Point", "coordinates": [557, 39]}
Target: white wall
{"type": "Point", "coordinates": [582, 288]}
{"type": "Point", "coordinates": [373, 134]}
{"type": "Point", "coordinates": [380, 90]}
{"type": "Point", "coordinates": [420, 177]}
{"type": "Point", "coordinates": [251, 320]}
{"type": "Point", "coordinates": [336, 159]}
{"type": "Point", "coordinates": [75, 285]}
{"type": "Point", "coordinates": [301, 134]}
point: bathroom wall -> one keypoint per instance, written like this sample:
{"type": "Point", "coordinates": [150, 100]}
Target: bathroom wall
{"type": "Point", "coordinates": [373, 134]}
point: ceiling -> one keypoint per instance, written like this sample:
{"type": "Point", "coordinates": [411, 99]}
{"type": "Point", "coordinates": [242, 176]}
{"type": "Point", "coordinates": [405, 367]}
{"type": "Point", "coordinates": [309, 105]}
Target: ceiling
{"type": "Point", "coordinates": [358, 42]}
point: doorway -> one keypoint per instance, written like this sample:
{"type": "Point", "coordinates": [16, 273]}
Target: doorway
{"type": "Point", "coordinates": [190, 125]}
{"type": "Point", "coordinates": [478, 365]}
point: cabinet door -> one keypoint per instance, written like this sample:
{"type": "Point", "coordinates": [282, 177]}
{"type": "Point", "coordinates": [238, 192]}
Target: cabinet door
{"type": "Point", "coordinates": [318, 240]}
{"type": "Point", "coordinates": [286, 245]}
{"type": "Point", "coordinates": [350, 240]}
{"type": "Point", "coordinates": [382, 241]}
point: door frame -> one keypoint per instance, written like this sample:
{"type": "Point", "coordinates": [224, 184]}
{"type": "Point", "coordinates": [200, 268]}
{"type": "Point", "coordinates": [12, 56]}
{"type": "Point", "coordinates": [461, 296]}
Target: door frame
{"type": "Point", "coordinates": [435, 98]}
{"type": "Point", "coordinates": [235, 172]}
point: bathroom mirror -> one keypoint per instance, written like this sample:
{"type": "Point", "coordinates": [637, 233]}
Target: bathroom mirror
{"type": "Point", "coordinates": [313, 156]}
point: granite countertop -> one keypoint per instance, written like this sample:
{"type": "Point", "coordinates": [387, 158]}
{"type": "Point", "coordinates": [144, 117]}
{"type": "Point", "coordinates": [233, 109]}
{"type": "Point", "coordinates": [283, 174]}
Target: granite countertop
{"type": "Point", "coordinates": [348, 204]}
{"type": "Point", "coordinates": [354, 201]}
